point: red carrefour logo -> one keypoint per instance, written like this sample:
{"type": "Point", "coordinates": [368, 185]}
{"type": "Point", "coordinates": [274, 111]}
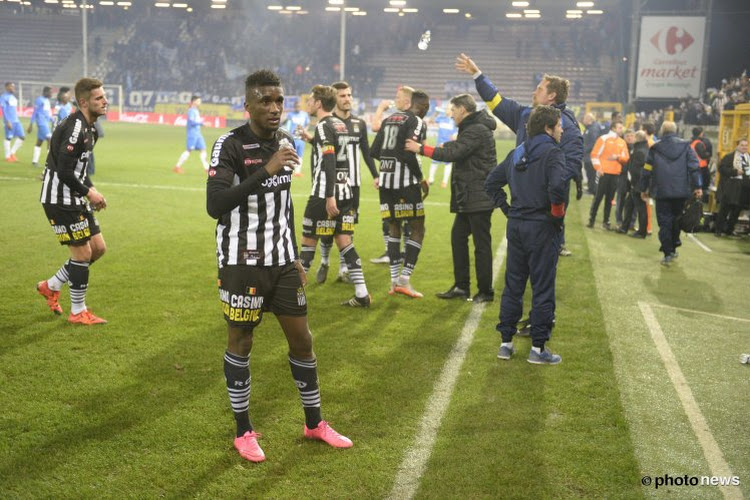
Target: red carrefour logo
{"type": "Point", "coordinates": [668, 40]}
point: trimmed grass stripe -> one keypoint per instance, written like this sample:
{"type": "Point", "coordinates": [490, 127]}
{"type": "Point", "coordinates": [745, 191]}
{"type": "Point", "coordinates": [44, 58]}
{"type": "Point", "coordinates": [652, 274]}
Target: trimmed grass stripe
{"type": "Point", "coordinates": [415, 461]}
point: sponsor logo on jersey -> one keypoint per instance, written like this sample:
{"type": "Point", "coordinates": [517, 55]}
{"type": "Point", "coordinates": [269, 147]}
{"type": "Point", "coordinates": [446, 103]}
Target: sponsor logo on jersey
{"type": "Point", "coordinates": [277, 180]}
{"type": "Point", "coordinates": [76, 130]}
{"type": "Point", "coordinates": [250, 146]}
{"type": "Point", "coordinates": [211, 172]}
{"type": "Point", "coordinates": [252, 255]}
{"type": "Point", "coordinates": [387, 164]}
{"type": "Point", "coordinates": [355, 127]}
{"type": "Point", "coordinates": [301, 298]}
{"type": "Point", "coordinates": [217, 149]}
{"type": "Point", "coordinates": [253, 161]}
{"type": "Point", "coordinates": [70, 148]}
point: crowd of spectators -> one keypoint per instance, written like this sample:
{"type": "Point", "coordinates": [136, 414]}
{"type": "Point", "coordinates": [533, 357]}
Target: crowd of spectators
{"type": "Point", "coordinates": [706, 109]}
{"type": "Point", "coordinates": [216, 52]}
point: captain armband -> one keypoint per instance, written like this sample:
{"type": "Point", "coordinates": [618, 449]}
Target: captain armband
{"type": "Point", "coordinates": [495, 102]}
{"type": "Point", "coordinates": [328, 149]}
{"type": "Point", "coordinates": [647, 167]}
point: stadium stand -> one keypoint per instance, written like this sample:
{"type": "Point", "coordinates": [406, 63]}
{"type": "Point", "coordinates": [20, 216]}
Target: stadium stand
{"type": "Point", "coordinates": [512, 72]}
{"type": "Point", "coordinates": [55, 38]}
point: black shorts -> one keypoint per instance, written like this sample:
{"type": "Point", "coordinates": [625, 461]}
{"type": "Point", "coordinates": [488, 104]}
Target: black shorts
{"type": "Point", "coordinates": [72, 225]}
{"type": "Point", "coordinates": [401, 204]}
{"type": "Point", "coordinates": [355, 203]}
{"type": "Point", "coordinates": [316, 222]}
{"type": "Point", "coordinates": [246, 292]}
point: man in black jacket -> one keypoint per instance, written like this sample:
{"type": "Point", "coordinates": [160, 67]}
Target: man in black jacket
{"type": "Point", "coordinates": [734, 176]}
{"type": "Point", "coordinates": [673, 166]}
{"type": "Point", "coordinates": [634, 201]}
{"type": "Point", "coordinates": [590, 135]}
{"type": "Point", "coordinates": [474, 156]}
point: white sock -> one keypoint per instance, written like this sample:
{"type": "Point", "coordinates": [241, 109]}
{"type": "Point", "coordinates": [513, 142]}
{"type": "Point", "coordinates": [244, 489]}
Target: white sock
{"type": "Point", "coordinates": [6, 146]}
{"type": "Point", "coordinates": [183, 158]}
{"type": "Point", "coordinates": [433, 169]}
{"type": "Point", "coordinates": [16, 146]}
{"type": "Point", "coordinates": [360, 290]}
{"type": "Point", "coordinates": [509, 345]}
{"type": "Point", "coordinates": [342, 265]}
{"type": "Point", "coordinates": [203, 160]}
{"type": "Point", "coordinates": [37, 153]}
{"type": "Point", "coordinates": [447, 172]}
{"type": "Point", "coordinates": [537, 350]}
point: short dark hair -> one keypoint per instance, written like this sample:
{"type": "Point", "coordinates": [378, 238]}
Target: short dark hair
{"type": "Point", "coordinates": [342, 85]}
{"type": "Point", "coordinates": [542, 117]}
{"type": "Point", "coordinates": [559, 86]}
{"type": "Point", "coordinates": [194, 98]}
{"type": "Point", "coordinates": [465, 101]}
{"type": "Point", "coordinates": [649, 128]}
{"type": "Point", "coordinates": [697, 131]}
{"type": "Point", "coordinates": [46, 89]}
{"type": "Point", "coordinates": [326, 95]}
{"type": "Point", "coordinates": [614, 124]}
{"type": "Point", "coordinates": [262, 78]}
{"type": "Point", "coordinates": [420, 101]}
{"type": "Point", "coordinates": [84, 86]}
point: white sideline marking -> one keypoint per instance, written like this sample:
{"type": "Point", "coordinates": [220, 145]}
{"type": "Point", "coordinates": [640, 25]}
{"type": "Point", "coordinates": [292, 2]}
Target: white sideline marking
{"type": "Point", "coordinates": [699, 242]}
{"type": "Point", "coordinates": [711, 450]}
{"type": "Point", "coordinates": [415, 460]}
{"type": "Point", "coordinates": [196, 189]}
{"type": "Point", "coordinates": [722, 316]}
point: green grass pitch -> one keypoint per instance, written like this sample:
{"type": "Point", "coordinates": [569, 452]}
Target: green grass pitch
{"type": "Point", "coordinates": [138, 408]}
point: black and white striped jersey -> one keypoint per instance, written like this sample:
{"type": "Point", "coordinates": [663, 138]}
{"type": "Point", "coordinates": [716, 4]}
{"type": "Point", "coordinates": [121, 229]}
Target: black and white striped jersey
{"type": "Point", "coordinates": [398, 167]}
{"type": "Point", "coordinates": [65, 182]}
{"type": "Point", "coordinates": [330, 160]}
{"type": "Point", "coordinates": [358, 142]}
{"type": "Point", "coordinates": [255, 225]}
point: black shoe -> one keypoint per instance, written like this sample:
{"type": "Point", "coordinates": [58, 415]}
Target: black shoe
{"type": "Point", "coordinates": [620, 230]}
{"type": "Point", "coordinates": [322, 273]}
{"type": "Point", "coordinates": [358, 301]}
{"type": "Point", "coordinates": [454, 293]}
{"type": "Point", "coordinates": [640, 236]}
{"type": "Point", "coordinates": [590, 224]}
{"type": "Point", "coordinates": [483, 297]}
{"type": "Point", "coordinates": [606, 226]}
